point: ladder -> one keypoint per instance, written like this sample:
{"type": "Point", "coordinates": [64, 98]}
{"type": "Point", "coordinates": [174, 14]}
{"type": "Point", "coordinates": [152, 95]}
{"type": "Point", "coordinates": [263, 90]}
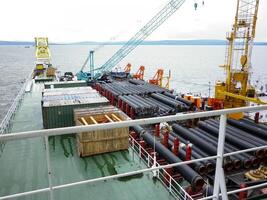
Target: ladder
{"type": "Point", "coordinates": [140, 36]}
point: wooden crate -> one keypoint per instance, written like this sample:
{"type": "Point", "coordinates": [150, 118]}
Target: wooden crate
{"type": "Point", "coordinates": [101, 141]}
{"type": "Point", "coordinates": [50, 71]}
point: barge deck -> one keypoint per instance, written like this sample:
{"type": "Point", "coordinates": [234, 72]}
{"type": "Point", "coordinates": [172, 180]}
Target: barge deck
{"type": "Point", "coordinates": [24, 168]}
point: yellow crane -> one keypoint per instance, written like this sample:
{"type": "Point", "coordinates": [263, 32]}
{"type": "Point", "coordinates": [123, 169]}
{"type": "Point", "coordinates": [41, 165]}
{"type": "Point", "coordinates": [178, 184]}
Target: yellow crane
{"type": "Point", "coordinates": [42, 53]}
{"type": "Point", "coordinates": [236, 90]}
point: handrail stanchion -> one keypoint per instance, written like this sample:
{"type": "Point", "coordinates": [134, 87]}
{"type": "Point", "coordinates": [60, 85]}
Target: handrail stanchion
{"type": "Point", "coordinates": [49, 168]}
{"type": "Point", "coordinates": [219, 183]}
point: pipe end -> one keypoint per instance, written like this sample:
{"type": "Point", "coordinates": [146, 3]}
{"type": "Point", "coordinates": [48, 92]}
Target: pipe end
{"type": "Point", "coordinates": [247, 163]}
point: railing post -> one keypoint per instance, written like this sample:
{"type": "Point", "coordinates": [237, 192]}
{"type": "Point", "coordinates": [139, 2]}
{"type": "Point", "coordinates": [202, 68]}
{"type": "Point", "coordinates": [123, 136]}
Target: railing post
{"type": "Point", "coordinates": [219, 183]}
{"type": "Point", "coordinates": [49, 167]}
{"type": "Point", "coordinates": [170, 185]}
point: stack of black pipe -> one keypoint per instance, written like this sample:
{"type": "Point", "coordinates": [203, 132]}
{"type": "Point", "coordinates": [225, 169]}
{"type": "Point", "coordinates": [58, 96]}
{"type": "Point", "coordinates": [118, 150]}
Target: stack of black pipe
{"type": "Point", "coordinates": [137, 82]}
{"type": "Point", "coordinates": [239, 135]}
{"type": "Point", "coordinates": [186, 171]}
{"type": "Point", "coordinates": [129, 88]}
{"type": "Point", "coordinates": [146, 100]}
{"type": "Point", "coordinates": [164, 109]}
{"type": "Point", "coordinates": [179, 105]}
{"type": "Point", "coordinates": [141, 106]}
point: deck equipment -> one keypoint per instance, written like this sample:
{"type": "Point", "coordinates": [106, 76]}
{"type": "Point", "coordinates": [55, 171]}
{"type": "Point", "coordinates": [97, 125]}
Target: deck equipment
{"type": "Point", "coordinates": [236, 90]}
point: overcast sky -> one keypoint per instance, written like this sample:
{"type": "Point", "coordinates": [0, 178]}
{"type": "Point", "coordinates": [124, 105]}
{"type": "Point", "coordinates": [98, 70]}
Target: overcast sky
{"type": "Point", "coordinates": [101, 20]}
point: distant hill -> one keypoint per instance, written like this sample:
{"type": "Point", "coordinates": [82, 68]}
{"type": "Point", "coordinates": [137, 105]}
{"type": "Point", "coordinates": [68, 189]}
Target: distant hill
{"type": "Point", "coordinates": [16, 43]}
{"type": "Point", "coordinates": [160, 42]}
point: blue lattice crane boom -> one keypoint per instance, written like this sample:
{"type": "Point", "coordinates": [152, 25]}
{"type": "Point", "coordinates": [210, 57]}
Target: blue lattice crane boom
{"type": "Point", "coordinates": [169, 9]}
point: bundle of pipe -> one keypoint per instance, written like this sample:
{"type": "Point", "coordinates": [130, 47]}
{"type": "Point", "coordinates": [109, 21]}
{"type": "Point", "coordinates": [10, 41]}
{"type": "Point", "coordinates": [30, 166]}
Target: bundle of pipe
{"type": "Point", "coordinates": [137, 82]}
{"type": "Point", "coordinates": [176, 97]}
{"type": "Point", "coordinates": [259, 131]}
{"type": "Point", "coordinates": [153, 88]}
{"type": "Point", "coordinates": [127, 88]}
{"type": "Point", "coordinates": [201, 167]}
{"type": "Point", "coordinates": [198, 153]}
{"type": "Point", "coordinates": [121, 88]}
{"type": "Point", "coordinates": [163, 108]}
{"type": "Point", "coordinates": [186, 171]}
{"type": "Point", "coordinates": [232, 137]}
{"type": "Point", "coordinates": [178, 105]}
{"type": "Point", "coordinates": [249, 121]}
{"type": "Point", "coordinates": [137, 107]}
{"type": "Point", "coordinates": [198, 142]}
{"type": "Point", "coordinates": [238, 160]}
{"type": "Point", "coordinates": [246, 135]}
{"type": "Point", "coordinates": [150, 107]}
{"type": "Point", "coordinates": [145, 106]}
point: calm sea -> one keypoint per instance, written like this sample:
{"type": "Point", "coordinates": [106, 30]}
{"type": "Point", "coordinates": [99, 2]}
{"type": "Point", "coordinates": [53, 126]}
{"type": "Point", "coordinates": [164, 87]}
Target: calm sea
{"type": "Point", "coordinates": [192, 67]}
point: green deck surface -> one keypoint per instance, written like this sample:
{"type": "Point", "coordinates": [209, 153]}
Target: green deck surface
{"type": "Point", "coordinates": [23, 164]}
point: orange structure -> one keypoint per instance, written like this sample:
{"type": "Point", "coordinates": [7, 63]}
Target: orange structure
{"type": "Point", "coordinates": [158, 77]}
{"type": "Point", "coordinates": [128, 68]}
{"type": "Point", "coordinates": [140, 73]}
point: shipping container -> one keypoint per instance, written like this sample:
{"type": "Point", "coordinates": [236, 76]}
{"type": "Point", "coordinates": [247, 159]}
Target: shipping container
{"type": "Point", "coordinates": [65, 84]}
{"type": "Point", "coordinates": [43, 79]}
{"type": "Point", "coordinates": [57, 106]}
{"type": "Point", "coordinates": [68, 91]}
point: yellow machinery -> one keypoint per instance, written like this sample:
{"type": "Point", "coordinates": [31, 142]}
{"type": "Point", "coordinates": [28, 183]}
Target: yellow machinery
{"type": "Point", "coordinates": [42, 52]}
{"type": "Point", "coordinates": [236, 91]}
{"type": "Point", "coordinates": [167, 85]}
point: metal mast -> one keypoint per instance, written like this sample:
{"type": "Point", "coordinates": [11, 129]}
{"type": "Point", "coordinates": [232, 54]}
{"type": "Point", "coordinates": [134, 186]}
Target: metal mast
{"type": "Point", "coordinates": [235, 90]}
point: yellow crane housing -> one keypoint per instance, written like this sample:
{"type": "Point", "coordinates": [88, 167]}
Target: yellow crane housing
{"type": "Point", "coordinates": [236, 90]}
{"type": "Point", "coordinates": [42, 52]}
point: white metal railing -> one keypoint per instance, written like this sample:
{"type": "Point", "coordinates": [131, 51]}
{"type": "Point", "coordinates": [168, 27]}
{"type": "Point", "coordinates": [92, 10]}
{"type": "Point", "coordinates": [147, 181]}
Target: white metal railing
{"type": "Point", "coordinates": [219, 175]}
{"type": "Point", "coordinates": [5, 124]}
{"type": "Point", "coordinates": [172, 185]}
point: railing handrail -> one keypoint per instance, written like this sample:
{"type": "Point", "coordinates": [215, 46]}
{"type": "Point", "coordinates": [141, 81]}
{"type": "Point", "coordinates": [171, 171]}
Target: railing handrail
{"type": "Point", "coordinates": [7, 119]}
{"type": "Point", "coordinates": [111, 125]}
{"type": "Point", "coordinates": [79, 129]}
{"type": "Point", "coordinates": [171, 180]}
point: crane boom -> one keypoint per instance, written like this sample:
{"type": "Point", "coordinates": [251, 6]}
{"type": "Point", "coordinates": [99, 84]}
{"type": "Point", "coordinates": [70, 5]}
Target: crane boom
{"type": "Point", "coordinates": [140, 36]}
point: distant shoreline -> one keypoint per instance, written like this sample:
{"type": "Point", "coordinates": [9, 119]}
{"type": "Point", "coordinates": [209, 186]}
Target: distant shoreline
{"type": "Point", "coordinates": [160, 42]}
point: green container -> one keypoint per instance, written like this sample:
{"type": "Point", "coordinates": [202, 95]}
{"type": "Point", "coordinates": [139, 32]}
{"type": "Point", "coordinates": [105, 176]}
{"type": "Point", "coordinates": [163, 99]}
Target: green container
{"type": "Point", "coordinates": [60, 113]}
{"type": "Point", "coordinates": [66, 84]}
{"type": "Point", "coordinates": [43, 79]}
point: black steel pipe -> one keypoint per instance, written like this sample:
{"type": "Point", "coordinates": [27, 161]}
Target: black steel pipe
{"type": "Point", "coordinates": [171, 102]}
{"type": "Point", "coordinates": [168, 94]}
{"type": "Point", "coordinates": [236, 159]}
{"type": "Point", "coordinates": [187, 172]}
{"type": "Point", "coordinates": [198, 166]}
{"type": "Point", "coordinates": [229, 138]}
{"type": "Point", "coordinates": [245, 135]}
{"type": "Point", "coordinates": [260, 132]}
{"type": "Point", "coordinates": [209, 165]}
{"type": "Point", "coordinates": [197, 152]}
{"type": "Point", "coordinates": [247, 160]}
{"type": "Point", "coordinates": [263, 126]}
{"type": "Point", "coordinates": [199, 142]}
